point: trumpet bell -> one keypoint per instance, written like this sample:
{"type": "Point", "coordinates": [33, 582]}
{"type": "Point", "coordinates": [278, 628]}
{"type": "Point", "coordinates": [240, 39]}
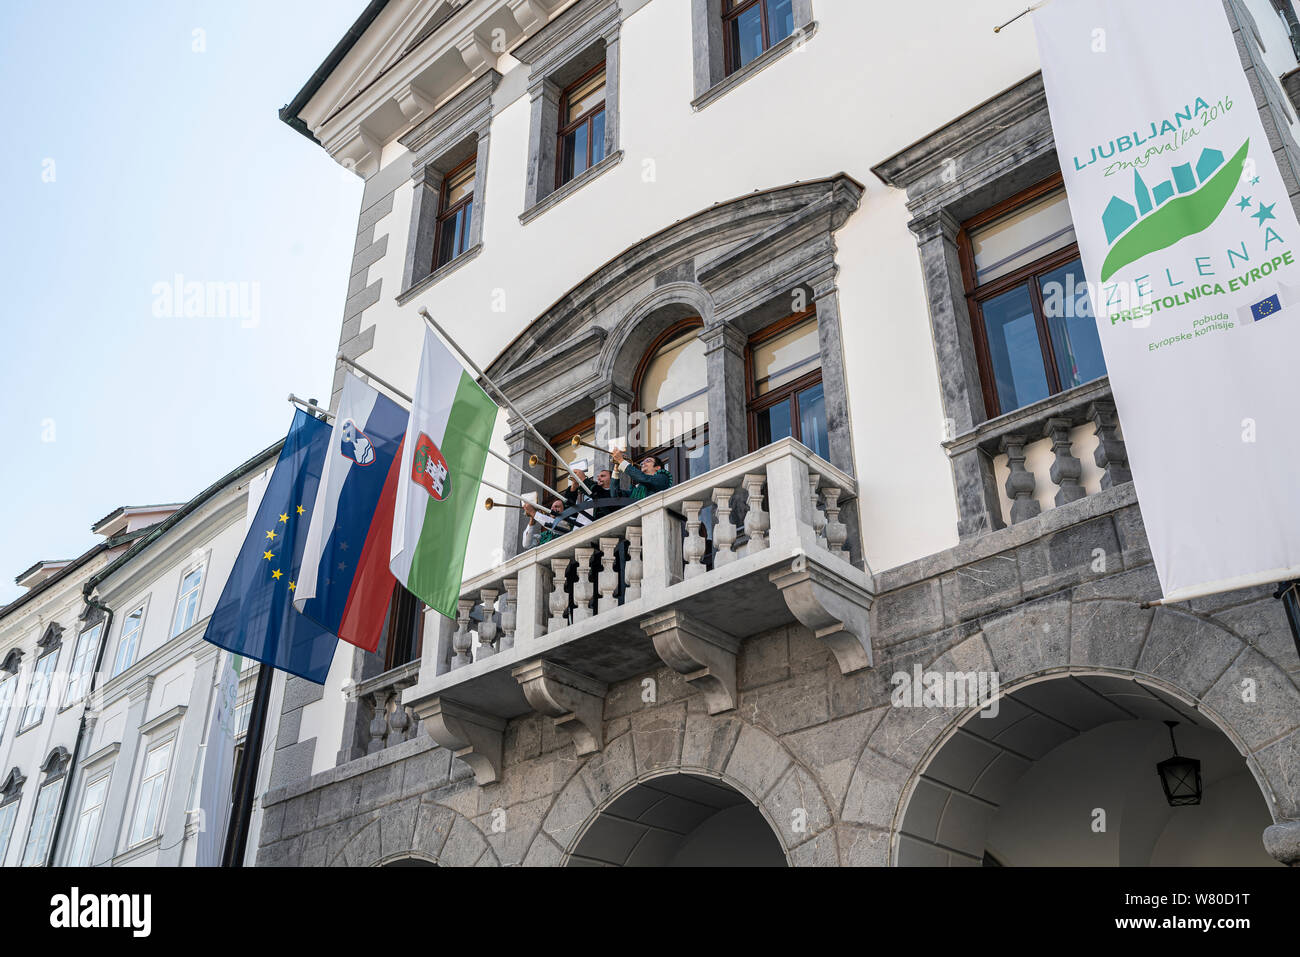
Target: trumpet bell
{"type": "Point", "coordinates": [489, 504]}
{"type": "Point", "coordinates": [533, 460]}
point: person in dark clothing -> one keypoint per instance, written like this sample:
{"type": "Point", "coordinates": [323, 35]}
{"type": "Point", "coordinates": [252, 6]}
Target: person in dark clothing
{"type": "Point", "coordinates": [650, 478]}
{"type": "Point", "coordinates": [606, 489]}
{"type": "Point", "coordinates": [543, 527]}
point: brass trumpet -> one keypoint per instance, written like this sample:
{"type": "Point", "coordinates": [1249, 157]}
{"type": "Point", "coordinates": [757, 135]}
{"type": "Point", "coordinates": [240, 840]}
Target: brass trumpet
{"type": "Point", "coordinates": [575, 442]}
{"type": "Point", "coordinates": [489, 505]}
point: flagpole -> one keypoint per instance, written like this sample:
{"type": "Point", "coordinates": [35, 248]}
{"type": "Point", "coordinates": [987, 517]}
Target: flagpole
{"type": "Point", "coordinates": [408, 400]}
{"type": "Point", "coordinates": [504, 398]}
{"type": "Point", "coordinates": [241, 814]}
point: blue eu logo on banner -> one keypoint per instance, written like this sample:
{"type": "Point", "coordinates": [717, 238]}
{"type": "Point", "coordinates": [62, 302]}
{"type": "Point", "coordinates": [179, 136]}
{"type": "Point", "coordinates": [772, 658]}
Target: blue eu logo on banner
{"type": "Point", "coordinates": [1265, 307]}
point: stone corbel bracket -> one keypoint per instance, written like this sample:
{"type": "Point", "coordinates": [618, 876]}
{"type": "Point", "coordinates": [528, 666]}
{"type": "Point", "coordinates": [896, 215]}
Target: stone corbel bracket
{"type": "Point", "coordinates": [472, 736]}
{"type": "Point", "coordinates": [575, 701]}
{"type": "Point", "coordinates": [700, 652]}
{"type": "Point", "coordinates": [835, 608]}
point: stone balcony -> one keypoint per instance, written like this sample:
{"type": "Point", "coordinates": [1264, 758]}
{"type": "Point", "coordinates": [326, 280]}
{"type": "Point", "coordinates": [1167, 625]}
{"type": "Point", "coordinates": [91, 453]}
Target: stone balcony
{"type": "Point", "coordinates": [679, 578]}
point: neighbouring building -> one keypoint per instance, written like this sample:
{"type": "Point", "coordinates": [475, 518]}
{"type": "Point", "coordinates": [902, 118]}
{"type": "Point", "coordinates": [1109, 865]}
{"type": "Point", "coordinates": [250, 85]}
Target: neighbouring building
{"type": "Point", "coordinates": [816, 255]}
{"type": "Point", "coordinates": [50, 647]}
{"type": "Point", "coordinates": [107, 694]}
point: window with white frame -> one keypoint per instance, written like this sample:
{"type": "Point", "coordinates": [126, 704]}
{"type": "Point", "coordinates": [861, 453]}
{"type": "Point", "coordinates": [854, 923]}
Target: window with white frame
{"type": "Point", "coordinates": [8, 682]}
{"type": "Point", "coordinates": [83, 662]}
{"type": "Point", "coordinates": [128, 643]}
{"type": "Point", "coordinates": [39, 692]}
{"type": "Point", "coordinates": [8, 813]}
{"type": "Point", "coordinates": [42, 829]}
{"type": "Point", "coordinates": [92, 809]}
{"type": "Point", "coordinates": [153, 788]}
{"type": "Point", "coordinates": [187, 605]}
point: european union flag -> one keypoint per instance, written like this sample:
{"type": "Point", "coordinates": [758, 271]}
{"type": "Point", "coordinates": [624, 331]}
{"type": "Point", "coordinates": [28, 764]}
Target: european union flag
{"type": "Point", "coordinates": [1266, 307]}
{"type": "Point", "coordinates": [255, 616]}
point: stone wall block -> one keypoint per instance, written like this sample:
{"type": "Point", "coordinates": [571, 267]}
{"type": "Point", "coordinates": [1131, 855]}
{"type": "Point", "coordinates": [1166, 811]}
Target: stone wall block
{"type": "Point", "coordinates": [1070, 556]}
{"type": "Point", "coordinates": [820, 851]}
{"type": "Point", "coordinates": [758, 761]}
{"type": "Point", "coordinates": [1030, 638]}
{"type": "Point", "coordinates": [397, 828]}
{"type": "Point", "coordinates": [907, 612]}
{"type": "Point", "coordinates": [708, 740]}
{"type": "Point", "coordinates": [862, 846]}
{"type": "Point", "coordinates": [1108, 633]}
{"type": "Point", "coordinates": [1258, 700]}
{"type": "Point", "coordinates": [657, 737]}
{"type": "Point", "coordinates": [980, 588]}
{"type": "Point", "coordinates": [433, 823]}
{"type": "Point", "coordinates": [797, 807]}
{"type": "Point", "coordinates": [465, 845]}
{"type": "Point", "coordinates": [1186, 651]}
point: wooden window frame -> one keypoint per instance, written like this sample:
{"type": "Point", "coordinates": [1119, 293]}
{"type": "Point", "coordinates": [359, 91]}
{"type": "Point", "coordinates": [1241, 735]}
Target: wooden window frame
{"type": "Point", "coordinates": [730, 53]}
{"type": "Point", "coordinates": [756, 404]}
{"type": "Point", "coordinates": [551, 468]}
{"type": "Point", "coordinates": [448, 214]}
{"type": "Point", "coordinates": [405, 610]}
{"type": "Point", "coordinates": [977, 295]}
{"type": "Point", "coordinates": [568, 126]}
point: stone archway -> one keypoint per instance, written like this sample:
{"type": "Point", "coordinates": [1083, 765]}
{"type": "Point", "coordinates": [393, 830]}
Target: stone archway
{"type": "Point", "coordinates": [1062, 772]}
{"type": "Point", "coordinates": [1207, 661]}
{"type": "Point", "coordinates": [723, 749]}
{"type": "Point", "coordinates": [678, 819]}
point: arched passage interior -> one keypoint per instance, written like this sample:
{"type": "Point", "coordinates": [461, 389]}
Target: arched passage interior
{"type": "Point", "coordinates": [679, 820]}
{"type": "Point", "coordinates": [1065, 774]}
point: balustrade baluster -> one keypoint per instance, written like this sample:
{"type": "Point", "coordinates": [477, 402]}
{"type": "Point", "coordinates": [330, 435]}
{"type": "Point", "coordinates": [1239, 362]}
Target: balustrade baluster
{"type": "Point", "coordinates": [582, 589]}
{"type": "Point", "coordinates": [607, 580]}
{"type": "Point", "coordinates": [757, 521]}
{"type": "Point", "coordinates": [1111, 454]}
{"type": "Point", "coordinates": [1066, 469]}
{"type": "Point", "coordinates": [487, 629]}
{"type": "Point", "coordinates": [1020, 483]}
{"type": "Point", "coordinates": [379, 719]}
{"type": "Point", "coordinates": [694, 547]}
{"type": "Point", "coordinates": [724, 529]}
{"type": "Point", "coordinates": [818, 516]}
{"type": "Point", "coordinates": [559, 600]}
{"type": "Point", "coordinates": [837, 533]}
{"type": "Point", "coordinates": [633, 570]}
{"type": "Point", "coordinates": [509, 614]}
{"type": "Point", "coordinates": [461, 642]}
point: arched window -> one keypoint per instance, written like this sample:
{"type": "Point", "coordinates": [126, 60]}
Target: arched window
{"type": "Point", "coordinates": [672, 399]}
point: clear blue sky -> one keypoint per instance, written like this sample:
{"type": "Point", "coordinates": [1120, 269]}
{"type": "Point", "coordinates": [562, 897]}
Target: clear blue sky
{"type": "Point", "coordinates": [166, 161]}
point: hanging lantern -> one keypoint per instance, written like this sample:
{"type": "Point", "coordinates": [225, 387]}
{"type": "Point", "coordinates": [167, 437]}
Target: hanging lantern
{"type": "Point", "coordinates": [1180, 776]}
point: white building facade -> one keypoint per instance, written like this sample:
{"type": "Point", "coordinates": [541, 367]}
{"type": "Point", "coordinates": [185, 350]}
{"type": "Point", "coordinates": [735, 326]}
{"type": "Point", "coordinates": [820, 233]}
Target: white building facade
{"type": "Point", "coordinates": [804, 251]}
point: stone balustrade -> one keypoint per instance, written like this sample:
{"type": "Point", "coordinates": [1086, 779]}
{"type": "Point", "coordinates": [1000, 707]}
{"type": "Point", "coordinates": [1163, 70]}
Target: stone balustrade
{"type": "Point", "coordinates": [391, 721]}
{"type": "Point", "coordinates": [1025, 454]}
{"type": "Point", "coordinates": [679, 577]}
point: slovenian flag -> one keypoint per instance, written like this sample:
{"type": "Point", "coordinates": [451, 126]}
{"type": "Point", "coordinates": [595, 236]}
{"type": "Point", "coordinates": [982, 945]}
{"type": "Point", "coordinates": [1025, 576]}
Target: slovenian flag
{"type": "Point", "coordinates": [442, 461]}
{"type": "Point", "coordinates": [345, 583]}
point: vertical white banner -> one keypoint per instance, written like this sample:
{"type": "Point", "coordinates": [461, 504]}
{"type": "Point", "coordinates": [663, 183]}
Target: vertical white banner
{"type": "Point", "coordinates": [1187, 237]}
{"type": "Point", "coordinates": [218, 766]}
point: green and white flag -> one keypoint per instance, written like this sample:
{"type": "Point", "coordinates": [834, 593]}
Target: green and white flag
{"type": "Point", "coordinates": [437, 488]}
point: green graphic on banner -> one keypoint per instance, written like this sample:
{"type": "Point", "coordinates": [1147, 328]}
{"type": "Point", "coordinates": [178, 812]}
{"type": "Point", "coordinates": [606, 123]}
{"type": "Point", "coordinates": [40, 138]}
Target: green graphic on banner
{"type": "Point", "coordinates": [1177, 218]}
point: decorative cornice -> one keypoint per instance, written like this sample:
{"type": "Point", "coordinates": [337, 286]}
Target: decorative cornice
{"type": "Point", "coordinates": [161, 721]}
{"type": "Point", "coordinates": [964, 134]}
{"type": "Point", "coordinates": [467, 110]}
{"type": "Point", "coordinates": [568, 34]}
